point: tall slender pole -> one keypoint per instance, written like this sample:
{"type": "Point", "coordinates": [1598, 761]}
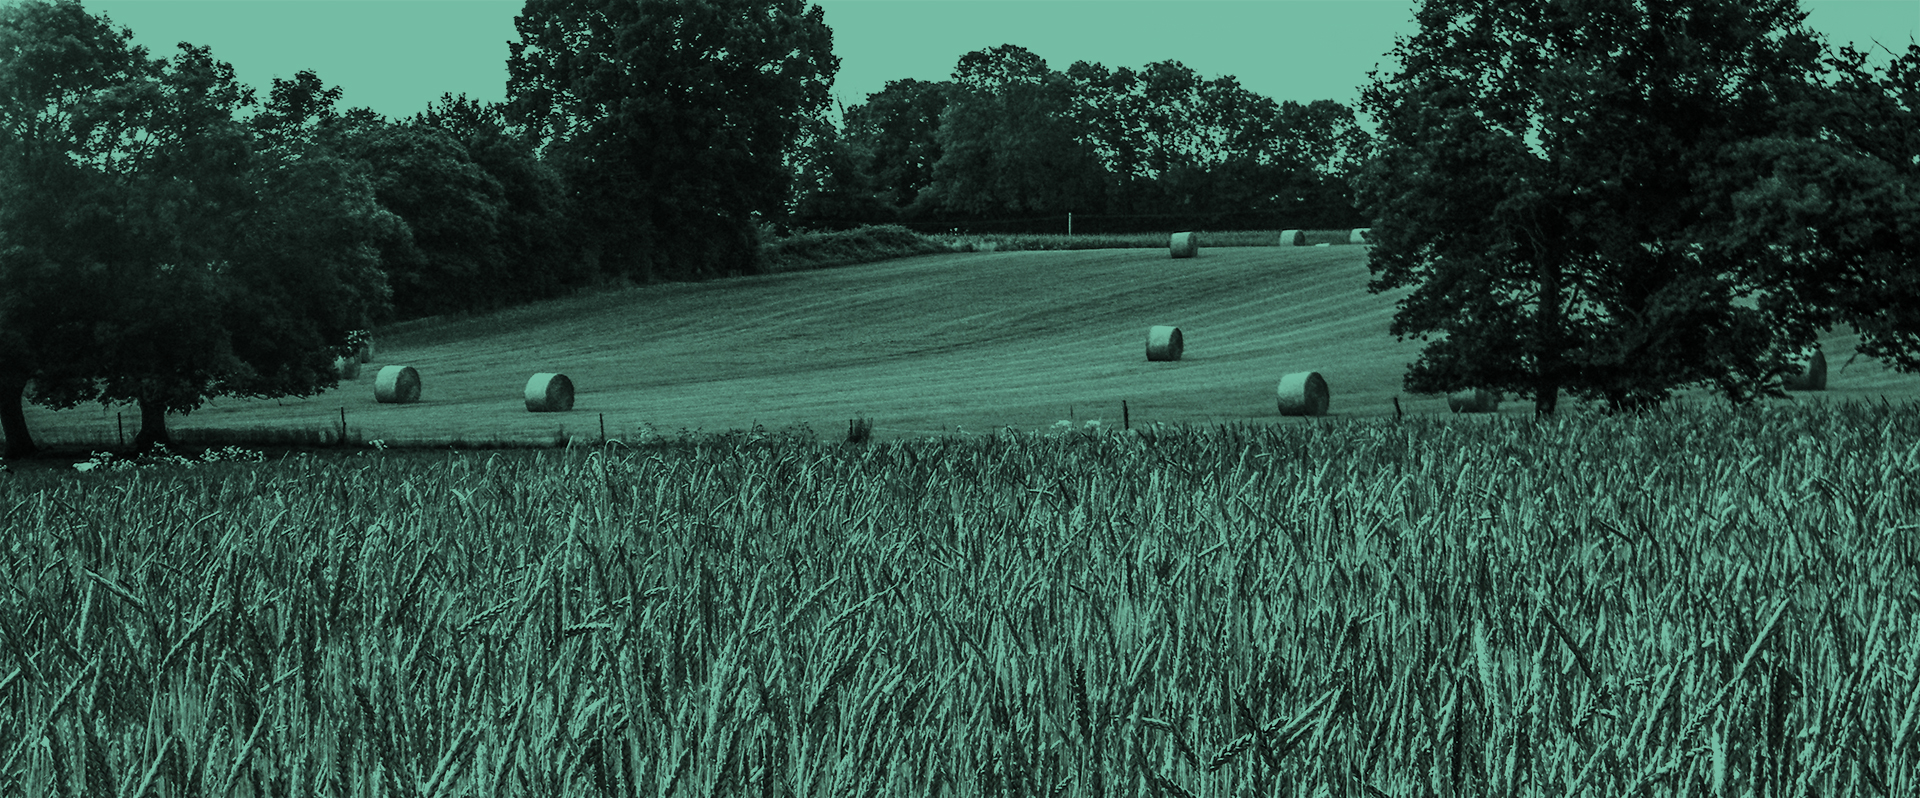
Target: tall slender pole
{"type": "Point", "coordinates": [1069, 223]}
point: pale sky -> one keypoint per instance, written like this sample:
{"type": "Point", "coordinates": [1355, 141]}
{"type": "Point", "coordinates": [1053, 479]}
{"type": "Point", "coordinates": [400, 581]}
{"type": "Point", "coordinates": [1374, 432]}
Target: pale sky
{"type": "Point", "coordinates": [395, 56]}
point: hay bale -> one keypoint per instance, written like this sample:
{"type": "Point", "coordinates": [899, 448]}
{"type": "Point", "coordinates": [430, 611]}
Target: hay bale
{"type": "Point", "coordinates": [1473, 400]}
{"type": "Point", "coordinates": [1812, 376]}
{"type": "Point", "coordinates": [348, 368]}
{"type": "Point", "coordinates": [1360, 235]}
{"type": "Point", "coordinates": [1164, 343]}
{"type": "Point", "coordinates": [1323, 245]}
{"type": "Point", "coordinates": [366, 351]}
{"type": "Point", "coordinates": [1303, 393]}
{"type": "Point", "coordinates": [397, 385]}
{"type": "Point", "coordinates": [549, 393]}
{"type": "Point", "coordinates": [1293, 238]}
{"type": "Point", "coordinates": [1186, 245]}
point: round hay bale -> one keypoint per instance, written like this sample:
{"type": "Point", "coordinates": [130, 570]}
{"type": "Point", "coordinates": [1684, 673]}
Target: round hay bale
{"type": "Point", "coordinates": [1303, 393]}
{"type": "Point", "coordinates": [1323, 245]}
{"type": "Point", "coordinates": [366, 352]}
{"type": "Point", "coordinates": [1164, 343]}
{"type": "Point", "coordinates": [397, 385]}
{"type": "Point", "coordinates": [1293, 238]}
{"type": "Point", "coordinates": [1359, 235]}
{"type": "Point", "coordinates": [549, 393]}
{"type": "Point", "coordinates": [348, 368]}
{"type": "Point", "coordinates": [1812, 376]}
{"type": "Point", "coordinates": [1473, 400]}
{"type": "Point", "coordinates": [1186, 245]}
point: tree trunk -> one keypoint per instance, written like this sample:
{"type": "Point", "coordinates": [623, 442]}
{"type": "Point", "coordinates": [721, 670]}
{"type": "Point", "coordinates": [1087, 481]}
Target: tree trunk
{"type": "Point", "coordinates": [1547, 336]}
{"type": "Point", "coordinates": [13, 419]}
{"type": "Point", "coordinates": [153, 427]}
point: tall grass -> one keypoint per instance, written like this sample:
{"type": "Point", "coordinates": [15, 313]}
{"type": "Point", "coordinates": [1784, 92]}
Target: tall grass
{"type": "Point", "coordinates": [806, 251]}
{"type": "Point", "coordinates": [1704, 601]}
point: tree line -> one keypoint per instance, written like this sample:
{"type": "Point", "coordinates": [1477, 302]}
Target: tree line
{"type": "Point", "coordinates": [1612, 199]}
{"type": "Point", "coordinates": [1618, 199]}
{"type": "Point", "coordinates": [1009, 137]}
{"type": "Point", "coordinates": [166, 237]}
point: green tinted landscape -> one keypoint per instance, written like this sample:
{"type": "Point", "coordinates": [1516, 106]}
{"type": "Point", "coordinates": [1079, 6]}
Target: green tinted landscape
{"type": "Point", "coordinates": [1052, 553]}
{"type": "Point", "coordinates": [1699, 601]}
{"type": "Point", "coordinates": [930, 345]}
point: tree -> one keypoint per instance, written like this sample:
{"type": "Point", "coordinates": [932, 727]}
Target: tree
{"type": "Point", "coordinates": [1172, 142]}
{"type": "Point", "coordinates": [452, 259]}
{"type": "Point", "coordinates": [1110, 114]}
{"type": "Point", "coordinates": [299, 113]}
{"type": "Point", "coordinates": [898, 128]}
{"type": "Point", "coordinates": [1322, 146]}
{"type": "Point", "coordinates": [484, 222]}
{"type": "Point", "coordinates": [1008, 142]}
{"type": "Point", "coordinates": [1543, 172]}
{"type": "Point", "coordinates": [1824, 211]}
{"type": "Point", "coordinates": [56, 62]}
{"type": "Point", "coordinates": [169, 258]}
{"type": "Point", "coordinates": [831, 183]}
{"type": "Point", "coordinates": [671, 119]}
{"type": "Point", "coordinates": [534, 228]}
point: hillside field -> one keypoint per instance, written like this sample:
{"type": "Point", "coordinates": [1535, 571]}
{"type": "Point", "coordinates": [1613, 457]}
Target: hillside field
{"type": "Point", "coordinates": [922, 346]}
{"type": "Point", "coordinates": [1698, 600]}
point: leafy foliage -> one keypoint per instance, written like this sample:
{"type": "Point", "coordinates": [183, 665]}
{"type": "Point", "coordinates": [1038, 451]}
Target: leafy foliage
{"type": "Point", "coordinates": [1007, 135]}
{"type": "Point", "coordinates": [168, 256]}
{"type": "Point", "coordinates": [670, 119]}
{"type": "Point", "coordinates": [1007, 141]}
{"type": "Point", "coordinates": [1824, 210]}
{"type": "Point", "coordinates": [897, 128]}
{"type": "Point", "coordinates": [1543, 180]}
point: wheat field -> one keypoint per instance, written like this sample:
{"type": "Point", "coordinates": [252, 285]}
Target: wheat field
{"type": "Point", "coordinates": [1700, 601]}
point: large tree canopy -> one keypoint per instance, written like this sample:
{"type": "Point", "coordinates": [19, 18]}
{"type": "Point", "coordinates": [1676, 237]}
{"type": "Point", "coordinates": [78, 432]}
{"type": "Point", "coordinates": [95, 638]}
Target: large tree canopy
{"type": "Point", "coordinates": [898, 131]}
{"type": "Point", "coordinates": [534, 234]}
{"type": "Point", "coordinates": [485, 222]}
{"type": "Point", "coordinates": [1008, 142]}
{"type": "Point", "coordinates": [1828, 212]}
{"type": "Point", "coordinates": [172, 257]}
{"type": "Point", "coordinates": [672, 119]}
{"type": "Point", "coordinates": [56, 63]}
{"type": "Point", "coordinates": [1544, 175]}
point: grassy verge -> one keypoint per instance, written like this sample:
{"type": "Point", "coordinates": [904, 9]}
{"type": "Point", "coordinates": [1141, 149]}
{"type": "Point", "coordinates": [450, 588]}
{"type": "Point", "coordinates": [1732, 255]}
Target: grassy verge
{"type": "Point", "coordinates": [1712, 599]}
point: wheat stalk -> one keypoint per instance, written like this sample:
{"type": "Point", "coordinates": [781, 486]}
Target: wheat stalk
{"type": "Point", "coordinates": [808, 602]}
{"type": "Point", "coordinates": [240, 758]}
{"type": "Point", "coordinates": [444, 772]}
{"type": "Point", "coordinates": [1229, 751]}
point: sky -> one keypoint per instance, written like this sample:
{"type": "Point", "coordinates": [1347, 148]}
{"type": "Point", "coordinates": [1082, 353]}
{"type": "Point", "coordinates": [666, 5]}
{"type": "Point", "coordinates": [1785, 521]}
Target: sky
{"type": "Point", "coordinates": [396, 56]}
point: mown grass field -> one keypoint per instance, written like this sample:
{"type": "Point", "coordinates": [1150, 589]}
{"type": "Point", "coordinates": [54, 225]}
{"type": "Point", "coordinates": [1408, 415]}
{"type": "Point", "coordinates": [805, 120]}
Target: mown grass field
{"type": "Point", "coordinates": [1698, 601]}
{"type": "Point", "coordinates": [922, 346]}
